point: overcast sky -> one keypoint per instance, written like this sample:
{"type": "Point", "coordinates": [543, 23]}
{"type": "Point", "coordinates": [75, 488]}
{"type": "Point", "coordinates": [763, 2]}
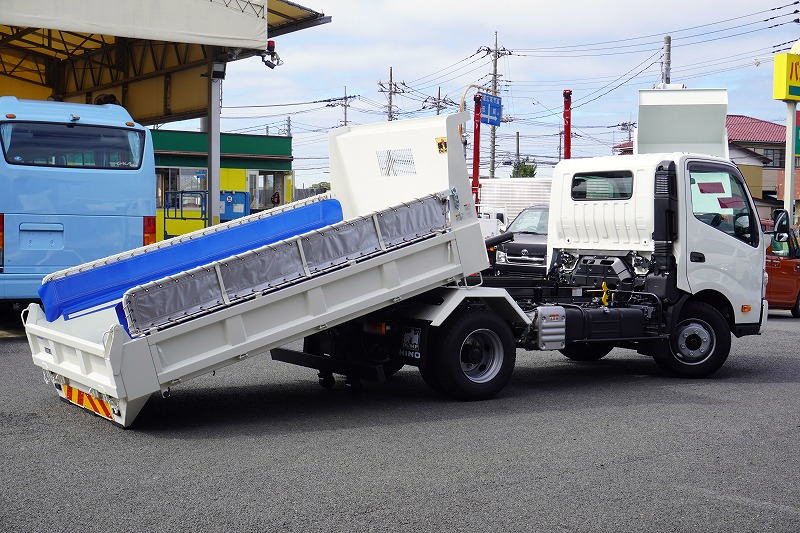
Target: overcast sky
{"type": "Point", "coordinates": [584, 45]}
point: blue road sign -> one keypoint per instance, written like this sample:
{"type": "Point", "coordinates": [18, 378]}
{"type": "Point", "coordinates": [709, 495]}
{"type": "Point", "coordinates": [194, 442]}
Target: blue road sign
{"type": "Point", "coordinates": [491, 109]}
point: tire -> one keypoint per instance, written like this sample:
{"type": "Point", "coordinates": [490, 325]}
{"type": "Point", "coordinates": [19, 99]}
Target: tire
{"type": "Point", "coordinates": [474, 356]}
{"type": "Point", "coordinates": [796, 309]}
{"type": "Point", "coordinates": [429, 377]}
{"type": "Point", "coordinates": [699, 344]}
{"type": "Point", "coordinates": [392, 367]}
{"type": "Point", "coordinates": [587, 351]}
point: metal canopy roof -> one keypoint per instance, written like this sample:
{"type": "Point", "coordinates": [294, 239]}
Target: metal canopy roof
{"type": "Point", "coordinates": [285, 17]}
{"type": "Point", "coordinates": [154, 66]}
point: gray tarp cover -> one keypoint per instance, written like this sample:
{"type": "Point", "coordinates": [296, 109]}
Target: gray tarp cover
{"type": "Point", "coordinates": [199, 290]}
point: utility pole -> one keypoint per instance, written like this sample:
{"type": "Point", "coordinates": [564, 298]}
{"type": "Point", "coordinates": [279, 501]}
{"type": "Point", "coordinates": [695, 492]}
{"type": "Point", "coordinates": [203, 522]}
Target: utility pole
{"type": "Point", "coordinates": [391, 89]}
{"type": "Point", "coordinates": [560, 136]}
{"type": "Point", "coordinates": [391, 93]}
{"type": "Point", "coordinates": [439, 100]}
{"type": "Point", "coordinates": [497, 53]}
{"type": "Point", "coordinates": [628, 127]}
{"type": "Point", "coordinates": [288, 126]}
{"type": "Point", "coordinates": [345, 105]}
{"type": "Point", "coordinates": [665, 72]}
{"type": "Point", "coordinates": [518, 148]}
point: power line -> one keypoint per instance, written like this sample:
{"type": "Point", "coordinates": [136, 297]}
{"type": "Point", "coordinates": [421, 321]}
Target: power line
{"type": "Point", "coordinates": [445, 68]}
{"type": "Point", "coordinates": [664, 32]}
{"type": "Point", "coordinates": [323, 101]}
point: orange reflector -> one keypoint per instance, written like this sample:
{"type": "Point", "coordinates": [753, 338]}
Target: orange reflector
{"type": "Point", "coordinates": [11, 115]}
{"type": "Point", "coordinates": [746, 309]}
{"type": "Point", "coordinates": [87, 401]}
{"type": "Point", "coordinates": [129, 124]}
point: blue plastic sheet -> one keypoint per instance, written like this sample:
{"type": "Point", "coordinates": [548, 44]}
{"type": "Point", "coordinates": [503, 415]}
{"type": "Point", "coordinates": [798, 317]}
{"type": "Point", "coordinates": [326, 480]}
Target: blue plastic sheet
{"type": "Point", "coordinates": [103, 284]}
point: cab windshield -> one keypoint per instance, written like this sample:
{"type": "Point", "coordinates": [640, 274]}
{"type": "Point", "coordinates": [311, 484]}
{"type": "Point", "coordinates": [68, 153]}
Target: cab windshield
{"type": "Point", "coordinates": [71, 145]}
{"type": "Point", "coordinates": [532, 220]}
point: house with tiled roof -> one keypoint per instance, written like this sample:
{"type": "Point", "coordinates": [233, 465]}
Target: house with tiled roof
{"type": "Point", "coordinates": [758, 148]}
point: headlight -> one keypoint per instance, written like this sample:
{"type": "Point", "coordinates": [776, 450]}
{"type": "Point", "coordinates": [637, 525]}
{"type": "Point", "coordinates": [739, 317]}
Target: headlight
{"type": "Point", "coordinates": [568, 259]}
{"type": "Point", "coordinates": [501, 257]}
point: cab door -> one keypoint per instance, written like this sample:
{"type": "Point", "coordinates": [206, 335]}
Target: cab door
{"type": "Point", "coordinates": [722, 247]}
{"type": "Point", "coordinates": [783, 267]}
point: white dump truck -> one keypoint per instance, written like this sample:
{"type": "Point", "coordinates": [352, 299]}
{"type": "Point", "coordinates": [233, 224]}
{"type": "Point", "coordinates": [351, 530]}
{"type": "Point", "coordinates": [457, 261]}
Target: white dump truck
{"type": "Point", "coordinates": [378, 274]}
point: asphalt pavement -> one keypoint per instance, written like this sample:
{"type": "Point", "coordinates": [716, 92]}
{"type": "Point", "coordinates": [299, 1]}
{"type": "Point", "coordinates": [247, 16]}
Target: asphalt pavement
{"type": "Point", "coordinates": [607, 446]}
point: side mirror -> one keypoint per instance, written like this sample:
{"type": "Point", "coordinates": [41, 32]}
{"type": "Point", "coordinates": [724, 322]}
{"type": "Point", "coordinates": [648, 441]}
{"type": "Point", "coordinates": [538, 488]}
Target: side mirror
{"type": "Point", "coordinates": [781, 237]}
{"type": "Point", "coordinates": [501, 217]}
{"type": "Point", "coordinates": [780, 223]}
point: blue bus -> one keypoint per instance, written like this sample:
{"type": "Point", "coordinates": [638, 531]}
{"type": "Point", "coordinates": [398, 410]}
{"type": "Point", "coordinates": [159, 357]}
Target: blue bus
{"type": "Point", "coordinates": [77, 182]}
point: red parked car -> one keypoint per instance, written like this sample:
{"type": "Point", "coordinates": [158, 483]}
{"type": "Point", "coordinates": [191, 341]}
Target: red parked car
{"type": "Point", "coordinates": [783, 267]}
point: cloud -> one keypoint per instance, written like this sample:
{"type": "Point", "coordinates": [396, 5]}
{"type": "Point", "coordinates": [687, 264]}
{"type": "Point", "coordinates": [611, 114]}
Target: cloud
{"type": "Point", "coordinates": [420, 38]}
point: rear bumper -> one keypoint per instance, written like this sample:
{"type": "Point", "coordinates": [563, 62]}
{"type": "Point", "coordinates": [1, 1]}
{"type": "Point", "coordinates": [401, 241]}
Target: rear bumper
{"type": "Point", "coordinates": [20, 286]}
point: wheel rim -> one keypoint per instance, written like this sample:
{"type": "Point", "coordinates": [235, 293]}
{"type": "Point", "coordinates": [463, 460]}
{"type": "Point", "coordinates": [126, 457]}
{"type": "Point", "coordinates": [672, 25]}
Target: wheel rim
{"type": "Point", "coordinates": [694, 342]}
{"type": "Point", "coordinates": [481, 355]}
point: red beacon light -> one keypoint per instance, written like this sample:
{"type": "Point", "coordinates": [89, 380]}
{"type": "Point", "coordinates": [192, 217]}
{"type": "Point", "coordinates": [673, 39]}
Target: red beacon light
{"type": "Point", "coordinates": [270, 46]}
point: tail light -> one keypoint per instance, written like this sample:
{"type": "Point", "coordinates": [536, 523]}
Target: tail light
{"type": "Point", "coordinates": [2, 241]}
{"type": "Point", "coordinates": [148, 230]}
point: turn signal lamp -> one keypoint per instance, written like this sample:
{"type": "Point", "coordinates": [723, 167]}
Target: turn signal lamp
{"type": "Point", "coordinates": [148, 230]}
{"type": "Point", "coordinates": [746, 309]}
{"type": "Point", "coordinates": [11, 115]}
{"type": "Point", "coordinates": [129, 124]}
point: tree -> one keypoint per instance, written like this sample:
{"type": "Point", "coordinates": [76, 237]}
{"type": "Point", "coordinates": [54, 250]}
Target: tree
{"type": "Point", "coordinates": [524, 168]}
{"type": "Point", "coordinates": [324, 185]}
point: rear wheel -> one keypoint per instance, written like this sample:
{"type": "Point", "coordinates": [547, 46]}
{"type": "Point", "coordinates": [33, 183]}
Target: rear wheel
{"type": "Point", "coordinates": [587, 351]}
{"type": "Point", "coordinates": [699, 344]}
{"type": "Point", "coordinates": [474, 356]}
{"type": "Point", "coordinates": [796, 308]}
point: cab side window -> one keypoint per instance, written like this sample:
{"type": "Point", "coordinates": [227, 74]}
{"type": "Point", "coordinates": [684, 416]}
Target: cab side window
{"type": "Point", "coordinates": [719, 199]}
{"type": "Point", "coordinates": [780, 249]}
{"type": "Point", "coordinates": [788, 249]}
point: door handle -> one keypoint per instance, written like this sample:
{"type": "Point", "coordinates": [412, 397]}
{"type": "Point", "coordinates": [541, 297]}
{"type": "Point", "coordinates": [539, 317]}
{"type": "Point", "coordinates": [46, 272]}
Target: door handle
{"type": "Point", "coordinates": [697, 257]}
{"type": "Point", "coordinates": [797, 268]}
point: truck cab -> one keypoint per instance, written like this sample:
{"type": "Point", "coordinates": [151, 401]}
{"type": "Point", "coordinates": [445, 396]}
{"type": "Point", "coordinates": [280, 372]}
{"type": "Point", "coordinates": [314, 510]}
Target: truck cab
{"type": "Point", "coordinates": [783, 268]}
{"type": "Point", "coordinates": [673, 225]}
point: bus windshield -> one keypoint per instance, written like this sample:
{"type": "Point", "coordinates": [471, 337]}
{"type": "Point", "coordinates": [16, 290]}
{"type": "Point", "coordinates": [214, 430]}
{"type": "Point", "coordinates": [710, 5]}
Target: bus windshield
{"type": "Point", "coordinates": [71, 145]}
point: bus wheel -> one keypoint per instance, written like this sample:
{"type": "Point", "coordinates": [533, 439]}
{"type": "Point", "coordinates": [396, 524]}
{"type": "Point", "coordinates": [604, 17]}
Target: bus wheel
{"type": "Point", "coordinates": [699, 344]}
{"type": "Point", "coordinates": [587, 351]}
{"type": "Point", "coordinates": [475, 355]}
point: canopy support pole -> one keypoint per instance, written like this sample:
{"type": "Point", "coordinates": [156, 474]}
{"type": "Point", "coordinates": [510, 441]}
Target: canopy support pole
{"type": "Point", "coordinates": [213, 130]}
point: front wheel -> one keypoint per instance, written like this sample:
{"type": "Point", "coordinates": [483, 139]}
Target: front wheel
{"type": "Point", "coordinates": [474, 356]}
{"type": "Point", "coordinates": [796, 309]}
{"type": "Point", "coordinates": [699, 344]}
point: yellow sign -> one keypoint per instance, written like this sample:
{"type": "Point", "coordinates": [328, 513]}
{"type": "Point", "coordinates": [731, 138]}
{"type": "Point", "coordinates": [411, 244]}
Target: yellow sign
{"type": "Point", "coordinates": [786, 80]}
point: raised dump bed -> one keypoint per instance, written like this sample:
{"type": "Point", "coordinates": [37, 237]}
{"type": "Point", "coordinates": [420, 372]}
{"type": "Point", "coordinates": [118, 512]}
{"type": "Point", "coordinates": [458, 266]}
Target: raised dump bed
{"type": "Point", "coordinates": [187, 309]}
{"type": "Point", "coordinates": [93, 284]}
